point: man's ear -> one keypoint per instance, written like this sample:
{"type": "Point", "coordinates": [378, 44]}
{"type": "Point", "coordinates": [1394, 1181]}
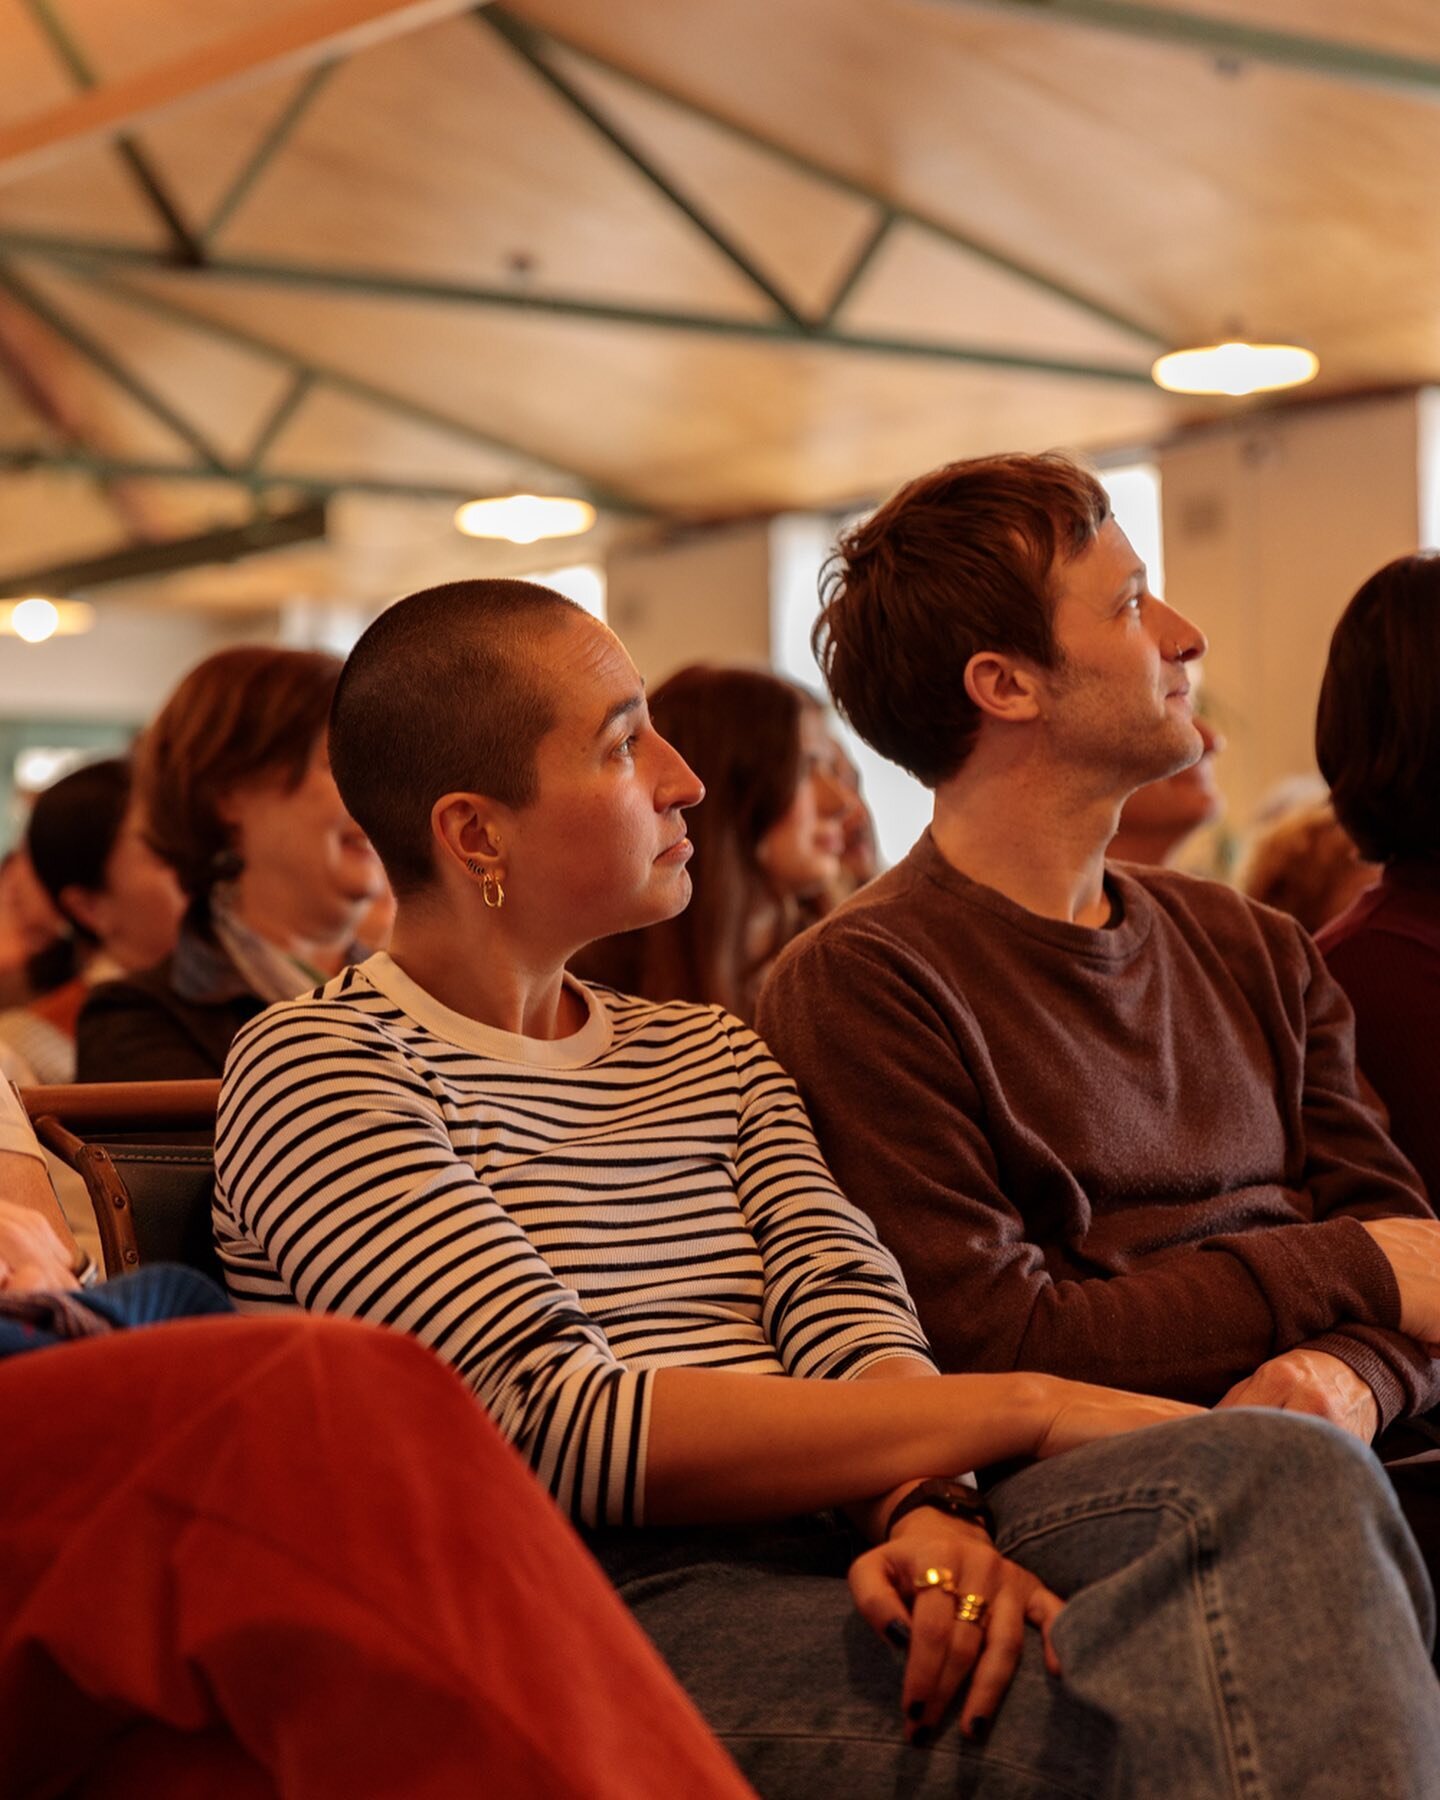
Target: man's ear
{"type": "Point", "coordinates": [1002, 687]}
{"type": "Point", "coordinates": [469, 828]}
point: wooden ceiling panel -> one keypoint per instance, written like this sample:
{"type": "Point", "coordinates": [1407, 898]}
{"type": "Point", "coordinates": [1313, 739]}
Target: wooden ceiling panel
{"type": "Point", "coordinates": [921, 286]}
{"type": "Point", "coordinates": [804, 232]}
{"type": "Point", "coordinates": [227, 393]}
{"type": "Point", "coordinates": [122, 37]}
{"type": "Point", "coordinates": [441, 154]}
{"type": "Point", "coordinates": [340, 434]}
{"type": "Point", "coordinates": [52, 518]}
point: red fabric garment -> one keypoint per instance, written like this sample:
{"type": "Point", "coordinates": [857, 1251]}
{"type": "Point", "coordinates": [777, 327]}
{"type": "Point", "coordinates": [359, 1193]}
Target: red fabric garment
{"type": "Point", "coordinates": [302, 1542]}
{"type": "Point", "coordinates": [1385, 953]}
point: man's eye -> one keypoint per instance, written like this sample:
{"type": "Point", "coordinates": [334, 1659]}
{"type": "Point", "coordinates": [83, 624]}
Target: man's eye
{"type": "Point", "coordinates": [626, 746]}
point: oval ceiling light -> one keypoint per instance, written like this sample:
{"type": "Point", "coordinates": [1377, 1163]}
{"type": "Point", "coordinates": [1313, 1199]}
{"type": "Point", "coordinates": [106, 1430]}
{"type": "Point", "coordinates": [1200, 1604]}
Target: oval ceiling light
{"type": "Point", "coordinates": [35, 618]}
{"type": "Point", "coordinates": [1235, 369]}
{"type": "Point", "coordinates": [525, 518]}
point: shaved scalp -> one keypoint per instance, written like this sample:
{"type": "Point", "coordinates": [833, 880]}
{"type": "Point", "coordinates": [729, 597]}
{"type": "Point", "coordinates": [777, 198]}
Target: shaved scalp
{"type": "Point", "coordinates": [445, 693]}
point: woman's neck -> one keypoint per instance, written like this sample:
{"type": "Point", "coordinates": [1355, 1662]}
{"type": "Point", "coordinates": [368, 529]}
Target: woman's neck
{"type": "Point", "coordinates": [475, 967]}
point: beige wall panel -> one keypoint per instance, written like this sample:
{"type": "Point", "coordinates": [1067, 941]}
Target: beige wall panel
{"type": "Point", "coordinates": [1270, 526]}
{"type": "Point", "coordinates": [704, 598]}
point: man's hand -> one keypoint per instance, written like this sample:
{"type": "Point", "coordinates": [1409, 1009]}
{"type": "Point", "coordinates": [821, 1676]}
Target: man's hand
{"type": "Point", "coordinates": [1412, 1248]}
{"type": "Point", "coordinates": [1312, 1381]}
{"type": "Point", "coordinates": [32, 1257]}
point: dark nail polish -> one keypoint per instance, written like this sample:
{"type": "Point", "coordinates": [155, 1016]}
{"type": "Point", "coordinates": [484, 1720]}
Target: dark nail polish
{"type": "Point", "coordinates": [898, 1634]}
{"type": "Point", "coordinates": [920, 1739]}
{"type": "Point", "coordinates": [979, 1730]}
{"type": "Point", "coordinates": [917, 1711]}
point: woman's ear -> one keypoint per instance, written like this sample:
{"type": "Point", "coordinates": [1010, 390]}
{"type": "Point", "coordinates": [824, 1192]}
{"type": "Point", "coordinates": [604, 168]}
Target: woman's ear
{"type": "Point", "coordinates": [82, 906]}
{"type": "Point", "coordinates": [468, 828]}
{"type": "Point", "coordinates": [1002, 687]}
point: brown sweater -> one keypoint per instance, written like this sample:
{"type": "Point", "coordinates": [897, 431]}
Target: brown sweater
{"type": "Point", "coordinates": [1135, 1155]}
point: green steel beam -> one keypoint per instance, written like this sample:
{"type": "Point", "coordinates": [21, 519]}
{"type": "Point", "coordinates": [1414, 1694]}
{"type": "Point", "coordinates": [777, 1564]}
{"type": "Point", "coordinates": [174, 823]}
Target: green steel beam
{"type": "Point", "coordinates": [526, 43]}
{"type": "Point", "coordinates": [290, 401]}
{"type": "Point", "coordinates": [345, 383]}
{"type": "Point", "coordinates": [904, 215]}
{"type": "Point", "coordinates": [1333, 59]}
{"type": "Point", "coordinates": [21, 460]}
{"type": "Point", "coordinates": [265, 151]}
{"type": "Point", "coordinates": [110, 366]}
{"type": "Point", "coordinates": [230, 543]}
{"type": "Point", "coordinates": [853, 276]}
{"type": "Point", "coordinates": [142, 170]}
{"type": "Point", "coordinates": [379, 284]}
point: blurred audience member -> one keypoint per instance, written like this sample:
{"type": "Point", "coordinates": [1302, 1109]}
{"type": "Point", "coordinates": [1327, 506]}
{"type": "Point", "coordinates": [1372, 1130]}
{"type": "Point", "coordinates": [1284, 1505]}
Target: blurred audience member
{"type": "Point", "coordinates": [35, 954]}
{"type": "Point", "coordinates": [1158, 818]}
{"type": "Point", "coordinates": [121, 903]}
{"type": "Point", "coordinates": [860, 858]}
{"type": "Point", "coordinates": [768, 835]}
{"type": "Point", "coordinates": [1306, 864]}
{"type": "Point", "coordinates": [236, 788]}
{"type": "Point", "coordinates": [1377, 740]}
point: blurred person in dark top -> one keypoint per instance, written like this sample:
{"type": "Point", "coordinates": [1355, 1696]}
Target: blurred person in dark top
{"type": "Point", "coordinates": [1377, 740]}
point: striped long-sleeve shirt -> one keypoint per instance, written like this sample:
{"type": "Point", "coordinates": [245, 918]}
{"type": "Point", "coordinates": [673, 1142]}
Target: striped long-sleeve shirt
{"type": "Point", "coordinates": [557, 1219]}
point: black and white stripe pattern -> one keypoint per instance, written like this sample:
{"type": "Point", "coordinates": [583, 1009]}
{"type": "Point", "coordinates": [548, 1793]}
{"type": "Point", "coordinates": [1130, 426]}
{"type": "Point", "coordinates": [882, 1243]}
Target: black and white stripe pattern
{"type": "Point", "coordinates": [554, 1219]}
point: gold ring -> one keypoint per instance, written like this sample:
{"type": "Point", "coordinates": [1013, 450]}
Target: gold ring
{"type": "Point", "coordinates": [941, 1578]}
{"type": "Point", "coordinates": [970, 1609]}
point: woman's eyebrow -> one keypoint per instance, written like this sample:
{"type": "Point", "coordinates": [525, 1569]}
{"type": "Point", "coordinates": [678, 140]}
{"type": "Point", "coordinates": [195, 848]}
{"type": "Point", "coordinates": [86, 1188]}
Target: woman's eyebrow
{"type": "Point", "coordinates": [632, 703]}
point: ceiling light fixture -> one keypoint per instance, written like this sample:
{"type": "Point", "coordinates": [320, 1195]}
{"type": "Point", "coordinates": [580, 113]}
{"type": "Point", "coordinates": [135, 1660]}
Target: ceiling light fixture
{"type": "Point", "coordinates": [525, 518]}
{"type": "Point", "coordinates": [35, 618]}
{"type": "Point", "coordinates": [1235, 368]}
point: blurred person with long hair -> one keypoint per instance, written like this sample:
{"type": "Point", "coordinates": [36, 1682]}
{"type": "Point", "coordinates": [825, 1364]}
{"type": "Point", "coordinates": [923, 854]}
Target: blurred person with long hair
{"type": "Point", "coordinates": [769, 836]}
{"type": "Point", "coordinates": [1377, 740]}
{"type": "Point", "coordinates": [1306, 864]}
{"type": "Point", "coordinates": [238, 799]}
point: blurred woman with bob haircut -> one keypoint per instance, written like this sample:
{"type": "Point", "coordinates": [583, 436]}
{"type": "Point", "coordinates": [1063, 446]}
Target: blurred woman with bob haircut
{"type": "Point", "coordinates": [1377, 740]}
{"type": "Point", "coordinates": [610, 1216]}
{"type": "Point", "coordinates": [237, 796]}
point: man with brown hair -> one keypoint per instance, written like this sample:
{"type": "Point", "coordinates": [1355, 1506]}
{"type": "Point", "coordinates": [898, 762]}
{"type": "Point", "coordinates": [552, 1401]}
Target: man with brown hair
{"type": "Point", "coordinates": [1107, 1118]}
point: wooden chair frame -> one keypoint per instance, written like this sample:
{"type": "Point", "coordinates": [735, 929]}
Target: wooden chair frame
{"type": "Point", "coordinates": [65, 1117]}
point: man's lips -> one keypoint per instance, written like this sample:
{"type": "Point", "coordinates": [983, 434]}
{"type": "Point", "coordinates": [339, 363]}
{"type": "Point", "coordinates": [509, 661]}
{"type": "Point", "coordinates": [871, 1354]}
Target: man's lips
{"type": "Point", "coordinates": [680, 851]}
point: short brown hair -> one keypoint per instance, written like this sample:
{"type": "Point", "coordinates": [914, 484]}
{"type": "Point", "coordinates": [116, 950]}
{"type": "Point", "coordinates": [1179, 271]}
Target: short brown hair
{"type": "Point", "coordinates": [437, 698]}
{"type": "Point", "coordinates": [250, 714]}
{"type": "Point", "coordinates": [1377, 731]}
{"type": "Point", "coordinates": [959, 561]}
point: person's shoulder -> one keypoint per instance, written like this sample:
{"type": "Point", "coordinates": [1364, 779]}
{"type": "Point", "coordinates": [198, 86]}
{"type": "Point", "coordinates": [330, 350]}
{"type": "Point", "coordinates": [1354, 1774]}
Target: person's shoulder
{"type": "Point", "coordinates": [633, 1017]}
{"type": "Point", "coordinates": [348, 1007]}
{"type": "Point", "coordinates": [1203, 908]}
{"type": "Point", "coordinates": [146, 988]}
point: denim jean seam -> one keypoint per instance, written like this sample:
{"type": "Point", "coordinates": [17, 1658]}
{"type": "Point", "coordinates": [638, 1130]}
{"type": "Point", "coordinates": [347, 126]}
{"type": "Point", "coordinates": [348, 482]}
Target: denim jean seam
{"type": "Point", "coordinates": [958, 1751]}
{"type": "Point", "coordinates": [1248, 1781]}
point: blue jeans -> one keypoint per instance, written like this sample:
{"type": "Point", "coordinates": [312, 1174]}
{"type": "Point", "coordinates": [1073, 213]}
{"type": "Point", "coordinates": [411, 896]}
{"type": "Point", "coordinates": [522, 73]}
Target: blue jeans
{"type": "Point", "coordinates": [1247, 1616]}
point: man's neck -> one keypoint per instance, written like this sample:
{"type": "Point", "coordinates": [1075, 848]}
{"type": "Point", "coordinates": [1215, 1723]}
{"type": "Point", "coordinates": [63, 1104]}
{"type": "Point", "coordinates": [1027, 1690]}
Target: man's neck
{"type": "Point", "coordinates": [269, 912]}
{"type": "Point", "coordinates": [1029, 835]}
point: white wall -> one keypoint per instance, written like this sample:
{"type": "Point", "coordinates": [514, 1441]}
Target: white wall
{"type": "Point", "coordinates": [1271, 524]}
{"type": "Point", "coordinates": [700, 597]}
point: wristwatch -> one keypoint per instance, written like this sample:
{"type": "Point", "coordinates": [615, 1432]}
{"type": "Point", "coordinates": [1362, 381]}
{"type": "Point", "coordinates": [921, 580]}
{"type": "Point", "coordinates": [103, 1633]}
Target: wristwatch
{"type": "Point", "coordinates": [951, 1497]}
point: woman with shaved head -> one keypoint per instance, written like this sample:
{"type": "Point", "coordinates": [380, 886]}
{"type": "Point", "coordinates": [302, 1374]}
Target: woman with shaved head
{"type": "Point", "coordinates": [610, 1216]}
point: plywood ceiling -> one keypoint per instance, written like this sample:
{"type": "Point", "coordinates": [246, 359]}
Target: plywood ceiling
{"type": "Point", "coordinates": [700, 258]}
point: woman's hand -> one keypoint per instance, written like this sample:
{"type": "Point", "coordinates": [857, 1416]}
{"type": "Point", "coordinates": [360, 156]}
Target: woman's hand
{"type": "Point", "coordinates": [32, 1257]}
{"type": "Point", "coordinates": [889, 1587]}
{"type": "Point", "coordinates": [1081, 1413]}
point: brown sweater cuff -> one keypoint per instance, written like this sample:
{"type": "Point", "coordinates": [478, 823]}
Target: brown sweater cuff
{"type": "Point", "coordinates": [1317, 1277]}
{"type": "Point", "coordinates": [1373, 1369]}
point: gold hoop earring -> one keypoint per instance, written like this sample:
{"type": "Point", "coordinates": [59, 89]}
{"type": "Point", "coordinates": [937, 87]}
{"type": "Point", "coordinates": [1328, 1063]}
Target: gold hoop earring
{"type": "Point", "coordinates": [492, 891]}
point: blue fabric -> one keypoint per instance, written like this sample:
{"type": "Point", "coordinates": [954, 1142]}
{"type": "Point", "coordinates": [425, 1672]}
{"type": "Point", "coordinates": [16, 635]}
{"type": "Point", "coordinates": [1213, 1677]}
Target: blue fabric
{"type": "Point", "coordinates": [149, 1296]}
{"type": "Point", "coordinates": [1247, 1618]}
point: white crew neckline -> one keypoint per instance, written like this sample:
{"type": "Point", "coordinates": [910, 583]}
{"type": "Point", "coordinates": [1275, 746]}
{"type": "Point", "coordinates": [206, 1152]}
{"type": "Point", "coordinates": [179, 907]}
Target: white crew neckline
{"type": "Point", "coordinates": [573, 1052]}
